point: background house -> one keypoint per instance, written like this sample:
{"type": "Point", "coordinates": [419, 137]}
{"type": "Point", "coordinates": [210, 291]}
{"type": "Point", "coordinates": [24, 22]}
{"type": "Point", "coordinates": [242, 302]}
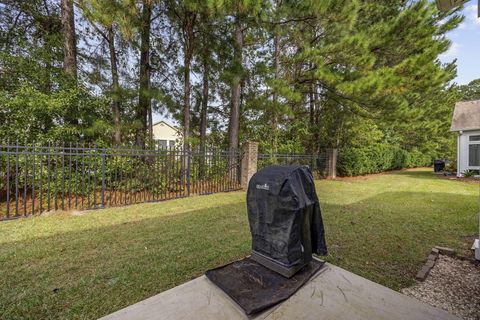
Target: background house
{"type": "Point", "coordinates": [166, 135]}
{"type": "Point", "coordinates": [466, 121]}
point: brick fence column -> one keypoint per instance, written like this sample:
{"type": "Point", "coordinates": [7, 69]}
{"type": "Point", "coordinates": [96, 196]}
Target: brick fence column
{"type": "Point", "coordinates": [332, 163]}
{"type": "Point", "coordinates": [249, 162]}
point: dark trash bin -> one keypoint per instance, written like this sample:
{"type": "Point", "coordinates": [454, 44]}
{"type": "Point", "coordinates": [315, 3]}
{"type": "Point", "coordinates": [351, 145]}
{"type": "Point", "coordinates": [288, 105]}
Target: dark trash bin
{"type": "Point", "coordinates": [285, 218]}
{"type": "Point", "coordinates": [438, 165]}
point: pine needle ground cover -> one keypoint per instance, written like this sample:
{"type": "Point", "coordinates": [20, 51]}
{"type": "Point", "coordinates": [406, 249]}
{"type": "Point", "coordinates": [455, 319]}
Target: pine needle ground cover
{"type": "Point", "coordinates": [83, 265]}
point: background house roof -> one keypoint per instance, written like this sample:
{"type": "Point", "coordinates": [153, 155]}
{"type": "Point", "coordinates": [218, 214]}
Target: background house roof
{"type": "Point", "coordinates": [466, 116]}
{"type": "Point", "coordinates": [168, 125]}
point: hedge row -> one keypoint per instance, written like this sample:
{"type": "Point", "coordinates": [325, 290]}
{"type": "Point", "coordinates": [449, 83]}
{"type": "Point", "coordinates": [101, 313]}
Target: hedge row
{"type": "Point", "coordinates": [378, 158]}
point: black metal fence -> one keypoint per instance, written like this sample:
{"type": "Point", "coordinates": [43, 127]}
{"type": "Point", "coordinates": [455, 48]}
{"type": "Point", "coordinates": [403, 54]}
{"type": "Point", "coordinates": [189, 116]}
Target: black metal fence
{"type": "Point", "coordinates": [316, 162]}
{"type": "Point", "coordinates": [36, 179]}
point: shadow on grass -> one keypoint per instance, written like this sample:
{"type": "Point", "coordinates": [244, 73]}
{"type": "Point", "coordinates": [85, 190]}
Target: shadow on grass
{"type": "Point", "coordinates": [387, 237]}
{"type": "Point", "coordinates": [94, 272]}
{"type": "Point", "coordinates": [59, 222]}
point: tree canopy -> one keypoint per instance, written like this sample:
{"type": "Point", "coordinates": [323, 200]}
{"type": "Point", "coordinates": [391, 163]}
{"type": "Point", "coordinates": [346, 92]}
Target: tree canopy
{"type": "Point", "coordinates": [297, 76]}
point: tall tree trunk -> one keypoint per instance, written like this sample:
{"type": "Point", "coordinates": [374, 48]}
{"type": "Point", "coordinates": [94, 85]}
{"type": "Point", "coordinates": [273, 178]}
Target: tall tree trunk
{"type": "Point", "coordinates": [115, 85]}
{"type": "Point", "coordinates": [276, 65]}
{"type": "Point", "coordinates": [69, 41]}
{"type": "Point", "coordinates": [150, 123]}
{"type": "Point", "coordinates": [311, 103]}
{"type": "Point", "coordinates": [188, 24]}
{"type": "Point", "coordinates": [234, 124]}
{"type": "Point", "coordinates": [69, 51]}
{"type": "Point", "coordinates": [144, 100]}
{"type": "Point", "coordinates": [48, 69]}
{"type": "Point", "coordinates": [187, 60]}
{"type": "Point", "coordinates": [204, 113]}
{"type": "Point", "coordinates": [204, 110]}
{"type": "Point", "coordinates": [316, 133]}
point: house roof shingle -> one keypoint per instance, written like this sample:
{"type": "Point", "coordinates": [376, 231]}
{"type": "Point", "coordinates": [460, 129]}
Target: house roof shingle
{"type": "Point", "coordinates": [466, 116]}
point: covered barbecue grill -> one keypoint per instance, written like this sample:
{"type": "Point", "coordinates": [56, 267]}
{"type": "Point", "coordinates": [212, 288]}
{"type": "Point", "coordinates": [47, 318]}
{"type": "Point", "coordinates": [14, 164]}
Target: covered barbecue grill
{"type": "Point", "coordinates": [285, 219]}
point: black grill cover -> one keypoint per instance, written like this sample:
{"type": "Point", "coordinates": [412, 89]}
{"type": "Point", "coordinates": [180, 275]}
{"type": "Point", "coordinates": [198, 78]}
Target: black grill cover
{"type": "Point", "coordinates": [284, 215]}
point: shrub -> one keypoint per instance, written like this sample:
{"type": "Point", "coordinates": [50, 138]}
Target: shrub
{"type": "Point", "coordinates": [470, 173]}
{"type": "Point", "coordinates": [378, 158]}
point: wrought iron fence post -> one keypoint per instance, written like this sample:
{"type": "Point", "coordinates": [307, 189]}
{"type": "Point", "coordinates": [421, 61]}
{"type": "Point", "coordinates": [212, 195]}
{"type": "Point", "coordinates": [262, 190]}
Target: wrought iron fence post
{"type": "Point", "coordinates": [16, 179]}
{"type": "Point", "coordinates": [103, 178]}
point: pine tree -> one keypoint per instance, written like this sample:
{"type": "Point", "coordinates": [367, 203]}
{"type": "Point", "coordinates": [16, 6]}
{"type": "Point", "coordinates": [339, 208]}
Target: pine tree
{"type": "Point", "coordinates": [471, 91]}
{"type": "Point", "coordinates": [69, 41]}
{"type": "Point", "coordinates": [242, 12]}
{"type": "Point", "coordinates": [144, 112]}
{"type": "Point", "coordinates": [104, 14]}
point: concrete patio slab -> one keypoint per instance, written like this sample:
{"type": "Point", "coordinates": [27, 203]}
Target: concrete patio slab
{"type": "Point", "coordinates": [333, 293]}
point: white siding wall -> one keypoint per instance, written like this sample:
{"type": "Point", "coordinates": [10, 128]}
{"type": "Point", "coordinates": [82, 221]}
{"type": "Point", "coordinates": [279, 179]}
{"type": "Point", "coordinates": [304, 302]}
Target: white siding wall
{"type": "Point", "coordinates": [463, 151]}
{"type": "Point", "coordinates": [166, 134]}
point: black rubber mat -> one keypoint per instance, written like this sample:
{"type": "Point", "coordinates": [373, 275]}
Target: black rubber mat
{"type": "Point", "coordinates": [254, 287]}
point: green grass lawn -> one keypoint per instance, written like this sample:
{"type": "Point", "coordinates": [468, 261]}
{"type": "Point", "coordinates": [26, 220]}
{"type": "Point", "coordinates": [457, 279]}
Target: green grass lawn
{"type": "Point", "coordinates": [87, 264]}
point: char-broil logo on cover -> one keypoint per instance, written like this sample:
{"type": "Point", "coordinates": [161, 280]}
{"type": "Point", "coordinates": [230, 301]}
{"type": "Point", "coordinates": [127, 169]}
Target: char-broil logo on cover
{"type": "Point", "coordinates": [263, 186]}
